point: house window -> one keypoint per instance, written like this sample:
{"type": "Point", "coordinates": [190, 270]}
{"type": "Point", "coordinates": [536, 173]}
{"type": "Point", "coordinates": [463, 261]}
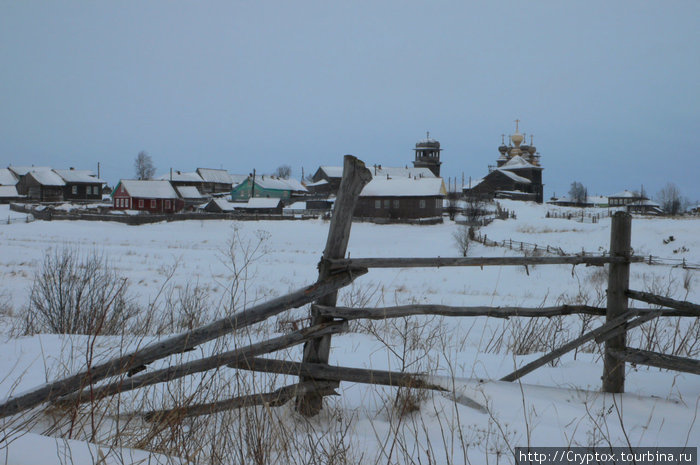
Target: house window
{"type": "Point", "coordinates": [438, 203]}
{"type": "Point", "coordinates": [140, 203]}
{"type": "Point", "coordinates": [167, 204]}
{"type": "Point", "coordinates": [386, 203]}
{"type": "Point", "coordinates": [377, 204]}
{"type": "Point", "coordinates": [153, 203]}
{"type": "Point", "coordinates": [396, 204]}
{"type": "Point", "coordinates": [422, 203]}
{"type": "Point", "coordinates": [74, 190]}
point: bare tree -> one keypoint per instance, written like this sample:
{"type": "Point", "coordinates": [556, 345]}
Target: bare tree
{"type": "Point", "coordinates": [144, 166]}
{"type": "Point", "coordinates": [578, 193]}
{"type": "Point", "coordinates": [670, 199]}
{"type": "Point", "coordinates": [283, 171]}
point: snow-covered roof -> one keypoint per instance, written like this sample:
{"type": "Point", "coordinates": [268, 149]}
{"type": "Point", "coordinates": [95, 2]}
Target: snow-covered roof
{"type": "Point", "coordinates": [22, 170]}
{"type": "Point", "coordinates": [404, 187]}
{"type": "Point", "coordinates": [189, 192]}
{"type": "Point", "coordinates": [47, 178]}
{"type": "Point", "coordinates": [238, 178]}
{"type": "Point", "coordinates": [514, 176]}
{"type": "Point", "coordinates": [223, 204]}
{"type": "Point", "coordinates": [296, 206]}
{"type": "Point", "coordinates": [399, 171]}
{"type": "Point", "coordinates": [7, 177]}
{"type": "Point", "coordinates": [8, 191]}
{"type": "Point", "coordinates": [269, 182]}
{"type": "Point", "coordinates": [260, 202]}
{"type": "Point", "coordinates": [214, 175]}
{"type": "Point", "coordinates": [518, 162]}
{"type": "Point", "coordinates": [318, 183]}
{"type": "Point", "coordinates": [79, 176]}
{"type": "Point", "coordinates": [181, 177]}
{"type": "Point", "coordinates": [332, 171]}
{"type": "Point", "coordinates": [626, 194]}
{"type": "Point", "coordinates": [152, 189]}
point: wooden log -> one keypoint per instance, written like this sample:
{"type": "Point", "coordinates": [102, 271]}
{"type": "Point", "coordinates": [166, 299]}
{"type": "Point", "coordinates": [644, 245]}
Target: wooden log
{"type": "Point", "coordinates": [654, 359]}
{"type": "Point", "coordinates": [381, 313]}
{"type": "Point", "coordinates": [568, 347]}
{"type": "Point", "coordinates": [416, 262]}
{"type": "Point", "coordinates": [323, 371]}
{"type": "Point", "coordinates": [618, 283]}
{"type": "Point", "coordinates": [204, 364]}
{"type": "Point", "coordinates": [654, 299]}
{"type": "Point", "coordinates": [355, 177]}
{"type": "Point", "coordinates": [176, 344]}
{"type": "Point", "coordinates": [275, 398]}
{"type": "Point", "coordinates": [623, 329]}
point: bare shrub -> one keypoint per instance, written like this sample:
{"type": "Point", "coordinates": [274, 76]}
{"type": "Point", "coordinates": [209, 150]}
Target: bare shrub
{"type": "Point", "coordinates": [461, 239]}
{"type": "Point", "coordinates": [76, 293]}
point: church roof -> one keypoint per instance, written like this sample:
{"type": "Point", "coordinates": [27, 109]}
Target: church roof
{"type": "Point", "coordinates": [518, 162]}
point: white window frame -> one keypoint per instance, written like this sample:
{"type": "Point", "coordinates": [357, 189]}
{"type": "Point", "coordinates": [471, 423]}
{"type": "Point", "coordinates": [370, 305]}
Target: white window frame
{"type": "Point", "coordinates": [377, 204]}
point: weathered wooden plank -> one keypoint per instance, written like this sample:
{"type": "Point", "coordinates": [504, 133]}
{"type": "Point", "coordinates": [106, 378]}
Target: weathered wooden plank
{"type": "Point", "coordinates": [417, 262]}
{"type": "Point", "coordinates": [275, 398]}
{"type": "Point", "coordinates": [381, 313]}
{"type": "Point", "coordinates": [323, 371]}
{"type": "Point", "coordinates": [204, 364]}
{"type": "Point", "coordinates": [682, 305]}
{"type": "Point", "coordinates": [655, 359]}
{"type": "Point", "coordinates": [569, 346]}
{"type": "Point", "coordinates": [176, 344]}
{"type": "Point", "coordinates": [355, 177]}
{"type": "Point", "coordinates": [618, 283]}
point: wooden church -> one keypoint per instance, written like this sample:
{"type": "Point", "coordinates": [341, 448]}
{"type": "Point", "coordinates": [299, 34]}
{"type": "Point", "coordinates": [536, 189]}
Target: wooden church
{"type": "Point", "coordinates": [517, 174]}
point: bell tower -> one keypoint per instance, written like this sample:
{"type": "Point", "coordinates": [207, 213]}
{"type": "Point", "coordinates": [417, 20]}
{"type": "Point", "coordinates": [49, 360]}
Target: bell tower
{"type": "Point", "coordinates": [428, 155]}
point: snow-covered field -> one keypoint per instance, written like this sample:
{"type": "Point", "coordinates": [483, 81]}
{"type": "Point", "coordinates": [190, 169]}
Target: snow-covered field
{"type": "Point", "coordinates": [553, 406]}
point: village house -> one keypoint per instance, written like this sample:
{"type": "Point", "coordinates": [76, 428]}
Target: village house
{"type": "Point", "coordinates": [154, 196]}
{"type": "Point", "coordinates": [218, 205]}
{"type": "Point", "coordinates": [44, 186]}
{"type": "Point", "coordinates": [268, 186]}
{"type": "Point", "coordinates": [517, 174]}
{"type": "Point", "coordinates": [81, 185]}
{"type": "Point", "coordinates": [215, 181]}
{"type": "Point", "coordinates": [181, 178]}
{"type": "Point", "coordinates": [190, 196]}
{"type": "Point", "coordinates": [20, 172]}
{"type": "Point", "coordinates": [401, 198]}
{"type": "Point", "coordinates": [634, 202]}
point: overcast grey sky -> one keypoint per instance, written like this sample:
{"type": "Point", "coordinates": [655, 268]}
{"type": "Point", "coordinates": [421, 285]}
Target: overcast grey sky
{"type": "Point", "coordinates": [610, 89]}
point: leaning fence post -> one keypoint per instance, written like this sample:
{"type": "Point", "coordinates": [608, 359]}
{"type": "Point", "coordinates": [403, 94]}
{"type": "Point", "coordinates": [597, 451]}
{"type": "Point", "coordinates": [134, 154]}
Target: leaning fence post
{"type": "Point", "coordinates": [618, 283]}
{"type": "Point", "coordinates": [355, 177]}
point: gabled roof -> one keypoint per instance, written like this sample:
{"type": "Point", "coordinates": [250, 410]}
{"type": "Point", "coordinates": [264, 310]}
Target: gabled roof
{"type": "Point", "coordinates": [189, 192]}
{"type": "Point", "coordinates": [260, 202]}
{"type": "Point", "coordinates": [518, 162]}
{"type": "Point", "coordinates": [223, 204]}
{"type": "Point", "coordinates": [318, 183]}
{"type": "Point", "coordinates": [79, 176]}
{"type": "Point", "coordinates": [23, 170]}
{"type": "Point", "coordinates": [404, 187]}
{"type": "Point", "coordinates": [181, 176]}
{"type": "Point", "coordinates": [215, 176]}
{"type": "Point", "coordinates": [332, 171]}
{"type": "Point", "coordinates": [153, 189]}
{"type": "Point", "coordinates": [47, 178]}
{"type": "Point", "coordinates": [7, 177]}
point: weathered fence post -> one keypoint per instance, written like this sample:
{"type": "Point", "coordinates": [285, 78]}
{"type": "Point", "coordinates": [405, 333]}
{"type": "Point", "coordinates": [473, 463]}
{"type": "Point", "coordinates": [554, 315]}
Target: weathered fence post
{"type": "Point", "coordinates": [355, 177]}
{"type": "Point", "coordinates": [618, 283]}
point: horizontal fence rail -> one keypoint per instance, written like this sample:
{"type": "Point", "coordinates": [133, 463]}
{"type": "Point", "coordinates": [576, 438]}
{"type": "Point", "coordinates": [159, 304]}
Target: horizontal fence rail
{"type": "Point", "coordinates": [352, 263]}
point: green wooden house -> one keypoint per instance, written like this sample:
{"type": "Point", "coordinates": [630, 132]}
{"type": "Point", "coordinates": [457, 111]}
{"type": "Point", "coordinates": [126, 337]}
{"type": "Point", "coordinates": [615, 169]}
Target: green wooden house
{"type": "Point", "coordinates": [267, 186]}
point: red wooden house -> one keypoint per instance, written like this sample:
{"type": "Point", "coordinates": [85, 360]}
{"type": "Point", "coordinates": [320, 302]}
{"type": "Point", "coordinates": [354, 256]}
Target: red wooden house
{"type": "Point", "coordinates": [150, 196]}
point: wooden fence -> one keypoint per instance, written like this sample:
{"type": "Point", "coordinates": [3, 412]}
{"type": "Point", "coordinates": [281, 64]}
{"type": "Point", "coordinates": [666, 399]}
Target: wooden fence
{"type": "Point", "coordinates": [318, 379]}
